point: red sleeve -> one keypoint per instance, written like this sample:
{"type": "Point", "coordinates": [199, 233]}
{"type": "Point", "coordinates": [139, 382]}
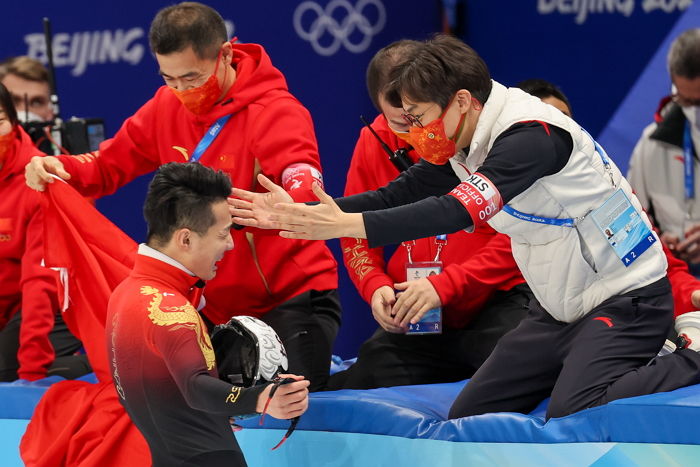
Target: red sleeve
{"type": "Point", "coordinates": [472, 282]}
{"type": "Point", "coordinates": [179, 347]}
{"type": "Point", "coordinates": [283, 135]}
{"type": "Point", "coordinates": [39, 300]}
{"type": "Point", "coordinates": [365, 266]}
{"type": "Point", "coordinates": [683, 284]}
{"type": "Point", "coordinates": [132, 152]}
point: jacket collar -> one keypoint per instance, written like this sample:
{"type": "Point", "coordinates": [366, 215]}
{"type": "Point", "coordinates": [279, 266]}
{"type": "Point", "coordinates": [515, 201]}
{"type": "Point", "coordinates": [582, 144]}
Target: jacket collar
{"type": "Point", "coordinates": [153, 263]}
{"type": "Point", "coordinates": [670, 129]}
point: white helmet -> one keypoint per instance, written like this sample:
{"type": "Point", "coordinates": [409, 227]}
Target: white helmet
{"type": "Point", "coordinates": [248, 351]}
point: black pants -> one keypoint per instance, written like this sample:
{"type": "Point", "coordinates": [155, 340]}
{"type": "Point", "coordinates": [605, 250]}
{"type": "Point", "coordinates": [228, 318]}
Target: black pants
{"type": "Point", "coordinates": [307, 325]}
{"type": "Point", "coordinates": [388, 359]}
{"type": "Point", "coordinates": [64, 343]}
{"type": "Point", "coordinates": [216, 459]}
{"type": "Point", "coordinates": [594, 360]}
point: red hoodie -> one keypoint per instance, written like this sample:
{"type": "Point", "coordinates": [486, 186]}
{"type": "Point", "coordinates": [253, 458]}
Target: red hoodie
{"type": "Point", "coordinates": [475, 265]}
{"type": "Point", "coordinates": [268, 131]}
{"type": "Point", "coordinates": [24, 284]}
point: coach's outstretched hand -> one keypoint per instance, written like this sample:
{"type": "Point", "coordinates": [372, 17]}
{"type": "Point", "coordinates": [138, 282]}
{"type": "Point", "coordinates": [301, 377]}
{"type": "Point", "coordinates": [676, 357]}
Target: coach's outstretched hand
{"type": "Point", "coordinates": [276, 210]}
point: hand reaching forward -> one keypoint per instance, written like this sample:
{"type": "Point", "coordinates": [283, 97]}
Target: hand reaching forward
{"type": "Point", "coordinates": [254, 209]}
{"type": "Point", "coordinates": [295, 220]}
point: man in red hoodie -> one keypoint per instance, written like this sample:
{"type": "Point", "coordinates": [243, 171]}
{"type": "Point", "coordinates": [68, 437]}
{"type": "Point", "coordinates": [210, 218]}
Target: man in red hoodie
{"type": "Point", "coordinates": [32, 333]}
{"type": "Point", "coordinates": [224, 105]}
{"type": "Point", "coordinates": [480, 288]}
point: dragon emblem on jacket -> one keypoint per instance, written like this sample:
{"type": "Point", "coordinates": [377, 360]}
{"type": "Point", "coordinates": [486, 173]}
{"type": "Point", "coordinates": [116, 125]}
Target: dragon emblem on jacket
{"type": "Point", "coordinates": [184, 315]}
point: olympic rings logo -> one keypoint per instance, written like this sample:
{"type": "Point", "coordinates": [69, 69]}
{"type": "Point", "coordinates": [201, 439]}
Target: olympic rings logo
{"type": "Point", "coordinates": [340, 31]}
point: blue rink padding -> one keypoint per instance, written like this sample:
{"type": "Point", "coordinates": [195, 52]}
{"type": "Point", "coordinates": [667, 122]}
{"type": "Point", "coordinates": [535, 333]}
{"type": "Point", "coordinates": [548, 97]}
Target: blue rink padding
{"type": "Point", "coordinates": [407, 426]}
{"type": "Point", "coordinates": [421, 412]}
{"type": "Point", "coordinates": [329, 449]}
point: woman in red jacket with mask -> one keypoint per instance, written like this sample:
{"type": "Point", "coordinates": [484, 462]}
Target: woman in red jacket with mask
{"type": "Point", "coordinates": [32, 333]}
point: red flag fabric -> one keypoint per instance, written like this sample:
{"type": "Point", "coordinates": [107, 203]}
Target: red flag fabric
{"type": "Point", "coordinates": [78, 423]}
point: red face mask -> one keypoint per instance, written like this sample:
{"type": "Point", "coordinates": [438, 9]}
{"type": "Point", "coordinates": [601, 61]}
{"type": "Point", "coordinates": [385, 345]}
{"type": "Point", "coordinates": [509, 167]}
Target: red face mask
{"type": "Point", "coordinates": [402, 135]}
{"type": "Point", "coordinates": [6, 143]}
{"type": "Point", "coordinates": [431, 142]}
{"type": "Point", "coordinates": [201, 99]}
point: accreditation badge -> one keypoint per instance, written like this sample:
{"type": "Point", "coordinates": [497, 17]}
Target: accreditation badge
{"type": "Point", "coordinates": [431, 322]}
{"type": "Point", "coordinates": [623, 227]}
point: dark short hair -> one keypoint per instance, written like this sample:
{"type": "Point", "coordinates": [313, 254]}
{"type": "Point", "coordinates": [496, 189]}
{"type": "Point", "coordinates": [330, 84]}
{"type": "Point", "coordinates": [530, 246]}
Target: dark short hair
{"type": "Point", "coordinates": [542, 88]}
{"type": "Point", "coordinates": [437, 70]}
{"type": "Point", "coordinates": [381, 64]}
{"type": "Point", "coordinates": [684, 55]}
{"type": "Point", "coordinates": [180, 196]}
{"type": "Point", "coordinates": [7, 105]}
{"type": "Point", "coordinates": [188, 24]}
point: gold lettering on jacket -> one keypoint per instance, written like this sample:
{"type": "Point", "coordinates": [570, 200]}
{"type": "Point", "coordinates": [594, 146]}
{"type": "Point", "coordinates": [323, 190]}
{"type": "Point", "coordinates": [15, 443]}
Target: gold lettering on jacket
{"type": "Point", "coordinates": [235, 393]}
{"type": "Point", "coordinates": [185, 315]}
{"type": "Point", "coordinates": [359, 261]}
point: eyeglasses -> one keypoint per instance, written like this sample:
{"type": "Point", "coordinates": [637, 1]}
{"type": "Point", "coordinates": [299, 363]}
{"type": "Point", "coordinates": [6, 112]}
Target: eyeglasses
{"type": "Point", "coordinates": [414, 120]}
{"type": "Point", "coordinates": [684, 101]}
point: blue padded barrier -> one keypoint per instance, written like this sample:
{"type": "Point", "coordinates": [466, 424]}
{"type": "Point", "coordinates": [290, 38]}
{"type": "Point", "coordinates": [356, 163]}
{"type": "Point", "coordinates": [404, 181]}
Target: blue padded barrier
{"type": "Point", "coordinates": [420, 412]}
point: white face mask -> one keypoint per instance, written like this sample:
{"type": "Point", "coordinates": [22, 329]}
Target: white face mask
{"type": "Point", "coordinates": [26, 117]}
{"type": "Point", "coordinates": [692, 113]}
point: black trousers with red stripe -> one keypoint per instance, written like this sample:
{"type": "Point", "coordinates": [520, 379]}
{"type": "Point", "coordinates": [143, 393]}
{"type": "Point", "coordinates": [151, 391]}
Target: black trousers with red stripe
{"type": "Point", "coordinates": [605, 355]}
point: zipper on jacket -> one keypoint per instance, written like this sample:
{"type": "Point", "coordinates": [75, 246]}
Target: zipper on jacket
{"type": "Point", "coordinates": [251, 243]}
{"type": "Point", "coordinates": [586, 252]}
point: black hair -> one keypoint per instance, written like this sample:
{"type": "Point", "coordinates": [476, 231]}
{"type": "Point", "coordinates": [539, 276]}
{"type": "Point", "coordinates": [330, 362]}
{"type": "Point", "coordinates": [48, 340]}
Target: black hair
{"type": "Point", "coordinates": [8, 105]}
{"type": "Point", "coordinates": [437, 70]}
{"type": "Point", "coordinates": [187, 24]}
{"type": "Point", "coordinates": [542, 88]}
{"type": "Point", "coordinates": [180, 196]}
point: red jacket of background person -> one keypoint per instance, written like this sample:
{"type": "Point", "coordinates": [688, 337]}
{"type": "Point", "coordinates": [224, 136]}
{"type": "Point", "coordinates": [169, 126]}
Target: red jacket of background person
{"type": "Point", "coordinates": [268, 131]}
{"type": "Point", "coordinates": [475, 265]}
{"type": "Point", "coordinates": [24, 283]}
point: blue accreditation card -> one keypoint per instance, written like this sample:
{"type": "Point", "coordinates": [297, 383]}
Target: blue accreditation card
{"type": "Point", "coordinates": [622, 226]}
{"type": "Point", "coordinates": [431, 322]}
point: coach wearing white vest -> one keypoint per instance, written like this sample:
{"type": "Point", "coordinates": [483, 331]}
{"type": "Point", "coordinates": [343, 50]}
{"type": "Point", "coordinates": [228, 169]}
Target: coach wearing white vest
{"type": "Point", "coordinates": [603, 304]}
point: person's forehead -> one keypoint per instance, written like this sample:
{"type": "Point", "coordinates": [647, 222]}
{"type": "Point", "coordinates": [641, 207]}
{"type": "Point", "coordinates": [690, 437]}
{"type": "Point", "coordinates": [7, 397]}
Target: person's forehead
{"type": "Point", "coordinates": [181, 62]}
{"type": "Point", "coordinates": [16, 84]}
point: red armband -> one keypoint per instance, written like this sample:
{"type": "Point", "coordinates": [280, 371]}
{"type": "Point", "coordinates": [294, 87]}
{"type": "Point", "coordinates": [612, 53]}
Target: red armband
{"type": "Point", "coordinates": [301, 175]}
{"type": "Point", "coordinates": [479, 196]}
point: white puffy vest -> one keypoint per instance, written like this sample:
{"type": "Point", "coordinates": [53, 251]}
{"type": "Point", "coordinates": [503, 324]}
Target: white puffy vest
{"type": "Point", "coordinates": [570, 270]}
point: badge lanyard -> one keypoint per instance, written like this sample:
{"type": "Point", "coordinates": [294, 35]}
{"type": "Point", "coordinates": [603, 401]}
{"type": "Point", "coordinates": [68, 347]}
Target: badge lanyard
{"type": "Point", "coordinates": [617, 219]}
{"type": "Point", "coordinates": [440, 242]}
{"type": "Point", "coordinates": [431, 322]}
{"type": "Point", "coordinates": [688, 167]}
{"type": "Point", "coordinates": [209, 138]}
{"type": "Point", "coordinates": [563, 222]}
